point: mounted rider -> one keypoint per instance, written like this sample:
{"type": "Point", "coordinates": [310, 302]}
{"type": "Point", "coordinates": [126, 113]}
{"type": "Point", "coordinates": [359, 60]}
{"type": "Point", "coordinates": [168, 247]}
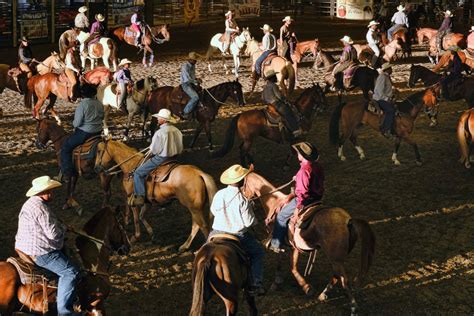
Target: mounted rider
{"type": "Point", "coordinates": [123, 77]}
{"type": "Point", "coordinates": [25, 56]}
{"type": "Point", "coordinates": [231, 30]}
{"type": "Point", "coordinates": [287, 38]}
{"type": "Point", "coordinates": [309, 189]}
{"type": "Point", "coordinates": [269, 45]}
{"type": "Point", "coordinates": [136, 24]}
{"type": "Point", "coordinates": [444, 29]}
{"type": "Point", "coordinates": [166, 144]}
{"type": "Point", "coordinates": [347, 59]}
{"type": "Point", "coordinates": [40, 239]}
{"type": "Point", "coordinates": [455, 74]}
{"type": "Point", "coordinates": [373, 41]}
{"type": "Point", "coordinates": [399, 19]}
{"type": "Point", "coordinates": [97, 31]}
{"type": "Point", "coordinates": [188, 83]}
{"type": "Point", "coordinates": [383, 94]}
{"type": "Point", "coordinates": [72, 72]}
{"type": "Point", "coordinates": [271, 95]}
{"type": "Point", "coordinates": [81, 22]}
{"type": "Point", "coordinates": [233, 214]}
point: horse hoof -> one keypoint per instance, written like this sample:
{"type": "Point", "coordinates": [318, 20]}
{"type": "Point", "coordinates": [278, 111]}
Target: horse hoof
{"type": "Point", "coordinates": [396, 163]}
{"type": "Point", "coordinates": [433, 124]}
{"type": "Point", "coordinates": [322, 297]}
{"type": "Point", "coordinates": [419, 163]}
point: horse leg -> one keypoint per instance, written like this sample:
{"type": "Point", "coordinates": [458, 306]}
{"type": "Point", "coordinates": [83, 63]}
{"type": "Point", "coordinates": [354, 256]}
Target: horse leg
{"type": "Point", "coordinates": [196, 135]}
{"type": "Point", "coordinates": [278, 275]}
{"type": "Point", "coordinates": [254, 81]}
{"type": "Point", "coordinates": [434, 116]}
{"type": "Point", "coordinates": [323, 296]}
{"type": "Point", "coordinates": [39, 103]}
{"type": "Point", "coordinates": [105, 184]}
{"type": "Point", "coordinates": [52, 101]}
{"type": "Point", "coordinates": [359, 149]}
{"type": "Point", "coordinates": [197, 223]}
{"type": "Point", "coordinates": [207, 129]}
{"type": "Point", "coordinates": [415, 148]}
{"type": "Point", "coordinates": [251, 303]}
{"type": "Point", "coordinates": [131, 113]}
{"type": "Point", "coordinates": [339, 270]}
{"type": "Point", "coordinates": [136, 222]}
{"type": "Point", "coordinates": [225, 65]}
{"type": "Point", "coordinates": [394, 155]}
{"type": "Point", "coordinates": [245, 157]}
{"type": "Point", "coordinates": [307, 289]}
{"type": "Point", "coordinates": [144, 58]}
{"type": "Point", "coordinates": [148, 227]}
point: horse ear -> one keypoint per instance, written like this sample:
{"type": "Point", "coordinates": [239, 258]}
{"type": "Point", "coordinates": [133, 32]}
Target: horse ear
{"type": "Point", "coordinates": [251, 167]}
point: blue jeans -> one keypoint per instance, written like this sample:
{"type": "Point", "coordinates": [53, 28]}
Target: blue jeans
{"type": "Point", "coordinates": [77, 138]}
{"type": "Point", "coordinates": [57, 262]}
{"type": "Point", "coordinates": [123, 93]}
{"type": "Point", "coordinates": [254, 250]}
{"type": "Point", "coordinates": [139, 176]}
{"type": "Point", "coordinates": [194, 98]}
{"type": "Point", "coordinates": [391, 30]}
{"type": "Point", "coordinates": [280, 228]}
{"type": "Point", "coordinates": [389, 111]}
{"type": "Point", "coordinates": [259, 61]}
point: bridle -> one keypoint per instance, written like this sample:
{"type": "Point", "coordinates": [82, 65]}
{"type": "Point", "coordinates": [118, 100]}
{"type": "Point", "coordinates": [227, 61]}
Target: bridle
{"type": "Point", "coordinates": [41, 145]}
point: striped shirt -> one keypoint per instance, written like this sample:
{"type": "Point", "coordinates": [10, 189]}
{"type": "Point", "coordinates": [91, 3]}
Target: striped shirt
{"type": "Point", "coordinates": [39, 230]}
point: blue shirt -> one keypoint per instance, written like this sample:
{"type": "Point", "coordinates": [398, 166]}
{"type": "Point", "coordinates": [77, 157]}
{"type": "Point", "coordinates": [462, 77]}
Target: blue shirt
{"type": "Point", "coordinates": [89, 116]}
{"type": "Point", "coordinates": [188, 73]}
{"type": "Point", "coordinates": [123, 76]}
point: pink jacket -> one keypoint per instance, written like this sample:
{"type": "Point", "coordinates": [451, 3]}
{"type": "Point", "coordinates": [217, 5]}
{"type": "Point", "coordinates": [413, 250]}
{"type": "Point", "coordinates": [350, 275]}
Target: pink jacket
{"type": "Point", "coordinates": [470, 41]}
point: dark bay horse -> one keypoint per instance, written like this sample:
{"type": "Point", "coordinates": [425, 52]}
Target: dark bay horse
{"type": "Point", "coordinates": [331, 230]}
{"type": "Point", "coordinates": [468, 61]}
{"type": "Point", "coordinates": [49, 130]}
{"type": "Point", "coordinates": [465, 134]}
{"type": "Point", "coordinates": [253, 123]}
{"type": "Point", "coordinates": [18, 84]}
{"type": "Point", "coordinates": [423, 74]}
{"type": "Point", "coordinates": [94, 287]}
{"type": "Point", "coordinates": [211, 98]}
{"type": "Point", "coordinates": [353, 115]}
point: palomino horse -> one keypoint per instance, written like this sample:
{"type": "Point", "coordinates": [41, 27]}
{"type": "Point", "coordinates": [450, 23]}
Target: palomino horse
{"type": "Point", "coordinates": [354, 115]}
{"type": "Point", "coordinates": [211, 99]}
{"type": "Point", "coordinates": [425, 33]}
{"type": "Point", "coordinates": [15, 82]}
{"type": "Point", "coordinates": [466, 58]}
{"type": "Point", "coordinates": [135, 100]}
{"type": "Point", "coordinates": [48, 130]}
{"type": "Point", "coordinates": [280, 65]}
{"type": "Point", "coordinates": [465, 134]}
{"type": "Point", "coordinates": [449, 40]}
{"type": "Point", "coordinates": [192, 187]}
{"type": "Point", "coordinates": [301, 50]}
{"type": "Point", "coordinates": [94, 287]}
{"type": "Point", "coordinates": [51, 63]}
{"type": "Point", "coordinates": [235, 48]}
{"type": "Point", "coordinates": [66, 41]}
{"type": "Point", "coordinates": [253, 123]}
{"type": "Point", "coordinates": [150, 35]}
{"type": "Point", "coordinates": [105, 48]}
{"type": "Point", "coordinates": [331, 229]}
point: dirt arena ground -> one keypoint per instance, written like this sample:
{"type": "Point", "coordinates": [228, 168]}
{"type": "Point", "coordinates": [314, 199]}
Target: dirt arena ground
{"type": "Point", "coordinates": [422, 216]}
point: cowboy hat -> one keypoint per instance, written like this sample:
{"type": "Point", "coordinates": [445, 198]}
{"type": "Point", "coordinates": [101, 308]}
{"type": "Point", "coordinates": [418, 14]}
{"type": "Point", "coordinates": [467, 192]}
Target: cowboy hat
{"type": "Point", "coordinates": [266, 28]}
{"type": "Point", "coordinates": [386, 66]}
{"type": "Point", "coordinates": [228, 13]}
{"type": "Point", "coordinates": [234, 174]}
{"type": "Point", "coordinates": [99, 17]}
{"type": "Point", "coordinates": [401, 7]}
{"type": "Point", "coordinates": [192, 56]}
{"type": "Point", "coordinates": [472, 29]}
{"type": "Point", "coordinates": [372, 23]}
{"type": "Point", "coordinates": [24, 39]}
{"type": "Point", "coordinates": [88, 90]}
{"type": "Point", "coordinates": [347, 39]}
{"type": "Point", "coordinates": [164, 114]}
{"type": "Point", "coordinates": [124, 62]}
{"type": "Point", "coordinates": [448, 13]}
{"type": "Point", "coordinates": [42, 184]}
{"type": "Point", "coordinates": [287, 18]}
{"type": "Point", "coordinates": [307, 150]}
{"type": "Point", "coordinates": [82, 9]}
{"type": "Point", "coordinates": [270, 73]}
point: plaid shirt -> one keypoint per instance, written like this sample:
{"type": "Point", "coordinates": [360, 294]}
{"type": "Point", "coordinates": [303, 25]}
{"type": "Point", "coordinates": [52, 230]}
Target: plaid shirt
{"type": "Point", "coordinates": [39, 230]}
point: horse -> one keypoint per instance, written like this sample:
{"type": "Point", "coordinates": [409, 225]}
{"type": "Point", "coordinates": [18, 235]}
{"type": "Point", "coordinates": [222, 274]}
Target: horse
{"type": "Point", "coordinates": [49, 130]}
{"type": "Point", "coordinates": [449, 40]}
{"type": "Point", "coordinates": [192, 187]}
{"type": "Point", "coordinates": [301, 50]}
{"type": "Point", "coordinates": [136, 100]}
{"type": "Point", "coordinates": [401, 36]}
{"type": "Point", "coordinates": [253, 123]}
{"type": "Point", "coordinates": [355, 114]}
{"type": "Point", "coordinates": [94, 286]}
{"type": "Point", "coordinates": [211, 99]}
{"type": "Point", "coordinates": [149, 35]}
{"type": "Point", "coordinates": [365, 53]}
{"type": "Point", "coordinates": [104, 48]}
{"type": "Point", "coordinates": [465, 135]}
{"type": "Point", "coordinates": [363, 77]}
{"type": "Point", "coordinates": [428, 77]}
{"type": "Point", "coordinates": [51, 63]}
{"type": "Point", "coordinates": [466, 58]}
{"type": "Point", "coordinates": [15, 82]}
{"type": "Point", "coordinates": [235, 48]}
{"type": "Point", "coordinates": [425, 33]}
{"type": "Point", "coordinates": [280, 65]}
{"type": "Point", "coordinates": [66, 41]}
{"type": "Point", "coordinates": [98, 76]}
{"type": "Point", "coordinates": [331, 229]}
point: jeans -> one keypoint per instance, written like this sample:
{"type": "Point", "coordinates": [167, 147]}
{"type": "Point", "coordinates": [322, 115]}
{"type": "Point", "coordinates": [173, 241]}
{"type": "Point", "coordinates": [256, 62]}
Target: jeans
{"type": "Point", "coordinates": [258, 63]}
{"type": "Point", "coordinates": [289, 117]}
{"type": "Point", "coordinates": [139, 176]}
{"type": "Point", "coordinates": [123, 93]}
{"type": "Point", "coordinates": [57, 262]}
{"type": "Point", "coordinates": [280, 227]}
{"type": "Point", "coordinates": [389, 110]}
{"type": "Point", "coordinates": [77, 138]}
{"type": "Point", "coordinates": [391, 30]}
{"type": "Point", "coordinates": [194, 98]}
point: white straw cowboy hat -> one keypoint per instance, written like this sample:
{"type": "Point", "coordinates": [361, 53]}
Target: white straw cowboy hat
{"type": "Point", "coordinates": [228, 13]}
{"type": "Point", "coordinates": [347, 39]}
{"type": "Point", "coordinates": [82, 9]}
{"type": "Point", "coordinates": [270, 73]}
{"type": "Point", "coordinates": [99, 17]}
{"type": "Point", "coordinates": [401, 7]}
{"type": "Point", "coordinates": [287, 18]}
{"type": "Point", "coordinates": [448, 12]}
{"type": "Point", "coordinates": [164, 114]}
{"type": "Point", "coordinates": [192, 56]}
{"type": "Point", "coordinates": [124, 62]}
{"type": "Point", "coordinates": [234, 174]}
{"type": "Point", "coordinates": [372, 23]}
{"type": "Point", "coordinates": [42, 184]}
{"type": "Point", "coordinates": [472, 29]}
{"type": "Point", "coordinates": [266, 28]}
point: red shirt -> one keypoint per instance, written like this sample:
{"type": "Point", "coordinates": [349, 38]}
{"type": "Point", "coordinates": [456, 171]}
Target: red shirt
{"type": "Point", "coordinates": [309, 183]}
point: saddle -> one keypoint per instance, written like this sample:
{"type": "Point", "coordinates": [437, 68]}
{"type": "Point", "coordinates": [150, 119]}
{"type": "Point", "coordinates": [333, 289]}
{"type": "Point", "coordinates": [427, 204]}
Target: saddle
{"type": "Point", "coordinates": [302, 222]}
{"type": "Point", "coordinates": [179, 97]}
{"type": "Point", "coordinates": [232, 242]}
{"type": "Point", "coordinates": [373, 107]}
{"type": "Point", "coordinates": [86, 151]}
{"type": "Point", "coordinates": [348, 74]}
{"type": "Point", "coordinates": [223, 36]}
{"type": "Point", "coordinates": [129, 32]}
{"type": "Point", "coordinates": [469, 52]}
{"type": "Point", "coordinates": [32, 274]}
{"type": "Point", "coordinates": [273, 118]}
{"type": "Point", "coordinates": [267, 61]}
{"type": "Point", "coordinates": [162, 173]}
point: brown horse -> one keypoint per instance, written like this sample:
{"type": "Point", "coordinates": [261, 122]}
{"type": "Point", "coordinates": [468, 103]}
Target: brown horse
{"type": "Point", "coordinates": [97, 76]}
{"type": "Point", "coordinates": [354, 115]}
{"type": "Point", "coordinates": [301, 50]}
{"type": "Point", "coordinates": [150, 35]}
{"type": "Point", "coordinates": [94, 287]}
{"type": "Point", "coordinates": [331, 230]}
{"type": "Point", "coordinates": [448, 56]}
{"type": "Point", "coordinates": [17, 82]}
{"type": "Point", "coordinates": [253, 123]}
{"type": "Point", "coordinates": [465, 133]}
{"type": "Point", "coordinates": [425, 33]}
{"type": "Point", "coordinates": [49, 130]}
{"type": "Point", "coordinates": [401, 36]}
{"type": "Point", "coordinates": [66, 41]}
{"type": "Point", "coordinates": [449, 40]}
{"type": "Point", "coordinates": [192, 187]}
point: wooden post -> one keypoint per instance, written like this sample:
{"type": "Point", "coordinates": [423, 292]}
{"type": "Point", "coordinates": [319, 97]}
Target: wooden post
{"type": "Point", "coordinates": [53, 21]}
{"type": "Point", "coordinates": [14, 22]}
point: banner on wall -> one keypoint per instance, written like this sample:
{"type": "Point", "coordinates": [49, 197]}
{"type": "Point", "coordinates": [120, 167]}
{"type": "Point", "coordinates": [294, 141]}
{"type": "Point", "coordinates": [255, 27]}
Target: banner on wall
{"type": "Point", "coordinates": [355, 9]}
{"type": "Point", "coordinates": [120, 13]}
{"type": "Point", "coordinates": [191, 11]}
{"type": "Point", "coordinates": [34, 24]}
{"type": "Point", "coordinates": [245, 8]}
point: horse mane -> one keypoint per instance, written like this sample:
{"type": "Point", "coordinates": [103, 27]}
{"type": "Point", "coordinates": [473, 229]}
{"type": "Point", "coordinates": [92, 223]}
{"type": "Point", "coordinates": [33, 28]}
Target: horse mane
{"type": "Point", "coordinates": [406, 105]}
{"type": "Point", "coordinates": [309, 91]}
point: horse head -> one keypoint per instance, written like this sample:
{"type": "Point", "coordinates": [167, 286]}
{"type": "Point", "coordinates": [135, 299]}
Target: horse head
{"type": "Point", "coordinates": [103, 157]}
{"type": "Point", "coordinates": [237, 93]}
{"type": "Point", "coordinates": [246, 36]}
{"type": "Point", "coordinates": [257, 186]}
{"type": "Point", "coordinates": [414, 76]}
{"type": "Point", "coordinates": [118, 237]}
{"type": "Point", "coordinates": [43, 129]}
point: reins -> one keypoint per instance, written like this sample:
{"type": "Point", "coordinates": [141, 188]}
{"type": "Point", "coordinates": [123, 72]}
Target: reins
{"type": "Point", "coordinates": [108, 171]}
{"type": "Point", "coordinates": [281, 187]}
{"type": "Point", "coordinates": [215, 100]}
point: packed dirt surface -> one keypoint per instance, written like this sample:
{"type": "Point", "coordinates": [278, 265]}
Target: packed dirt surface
{"type": "Point", "coordinates": [422, 216]}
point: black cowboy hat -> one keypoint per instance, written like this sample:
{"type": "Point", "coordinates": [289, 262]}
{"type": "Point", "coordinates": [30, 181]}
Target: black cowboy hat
{"type": "Point", "coordinates": [88, 91]}
{"type": "Point", "coordinates": [307, 150]}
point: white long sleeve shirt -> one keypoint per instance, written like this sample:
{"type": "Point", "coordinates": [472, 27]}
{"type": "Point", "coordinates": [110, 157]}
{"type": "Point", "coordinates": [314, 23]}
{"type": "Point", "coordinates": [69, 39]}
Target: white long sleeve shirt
{"type": "Point", "coordinates": [69, 63]}
{"type": "Point", "coordinates": [268, 42]}
{"type": "Point", "coordinates": [400, 18]}
{"type": "Point", "coordinates": [81, 20]}
{"type": "Point", "coordinates": [230, 26]}
{"type": "Point", "coordinates": [167, 141]}
{"type": "Point", "coordinates": [371, 38]}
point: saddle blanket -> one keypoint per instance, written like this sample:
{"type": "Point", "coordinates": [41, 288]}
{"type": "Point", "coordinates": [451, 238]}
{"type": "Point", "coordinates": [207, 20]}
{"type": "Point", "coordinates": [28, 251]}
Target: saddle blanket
{"type": "Point", "coordinates": [231, 241]}
{"type": "Point", "coordinates": [32, 274]}
{"type": "Point", "coordinates": [88, 149]}
{"type": "Point", "coordinates": [129, 32]}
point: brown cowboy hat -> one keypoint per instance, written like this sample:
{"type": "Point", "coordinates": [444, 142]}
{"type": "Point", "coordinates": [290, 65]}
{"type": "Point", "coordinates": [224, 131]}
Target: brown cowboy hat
{"type": "Point", "coordinates": [307, 150]}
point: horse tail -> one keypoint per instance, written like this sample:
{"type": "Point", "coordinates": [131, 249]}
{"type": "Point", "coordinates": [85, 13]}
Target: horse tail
{"type": "Point", "coordinates": [201, 268]}
{"type": "Point", "coordinates": [113, 51]}
{"type": "Point", "coordinates": [29, 94]}
{"type": "Point", "coordinates": [334, 123]}
{"type": "Point", "coordinates": [229, 139]}
{"type": "Point", "coordinates": [462, 133]}
{"type": "Point", "coordinates": [289, 72]}
{"type": "Point", "coordinates": [363, 232]}
{"type": "Point", "coordinates": [211, 188]}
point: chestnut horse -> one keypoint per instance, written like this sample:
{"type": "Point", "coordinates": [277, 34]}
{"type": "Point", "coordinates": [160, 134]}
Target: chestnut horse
{"type": "Point", "coordinates": [465, 134]}
{"type": "Point", "coordinates": [449, 40]}
{"type": "Point", "coordinates": [301, 50]}
{"type": "Point", "coordinates": [425, 33]}
{"type": "Point", "coordinates": [448, 56]}
{"type": "Point", "coordinates": [18, 84]}
{"type": "Point", "coordinates": [98, 76]}
{"type": "Point", "coordinates": [94, 287]}
{"type": "Point", "coordinates": [331, 230]}
{"type": "Point", "coordinates": [192, 187]}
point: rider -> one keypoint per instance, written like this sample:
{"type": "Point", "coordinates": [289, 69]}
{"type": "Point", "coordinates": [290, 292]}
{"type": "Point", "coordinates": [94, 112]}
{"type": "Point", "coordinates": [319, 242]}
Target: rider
{"type": "Point", "coordinates": [287, 38]}
{"type": "Point", "coordinates": [271, 95]}
{"type": "Point", "coordinates": [40, 236]}
{"type": "Point", "coordinates": [444, 29]}
{"type": "Point", "coordinates": [373, 41]}
{"type": "Point", "coordinates": [25, 56]}
{"type": "Point", "coordinates": [348, 57]}
{"type": "Point", "coordinates": [268, 47]}
{"type": "Point", "coordinates": [87, 123]}
{"type": "Point", "coordinates": [71, 71]}
{"type": "Point", "coordinates": [233, 214]}
{"type": "Point", "coordinates": [231, 29]}
{"type": "Point", "coordinates": [97, 31]}
{"type": "Point", "coordinates": [455, 72]}
{"type": "Point", "coordinates": [383, 93]}
{"type": "Point", "coordinates": [399, 19]}
{"type": "Point", "coordinates": [309, 189]}
{"type": "Point", "coordinates": [123, 78]}
{"type": "Point", "coordinates": [136, 21]}
{"type": "Point", "coordinates": [81, 22]}
{"type": "Point", "coordinates": [188, 80]}
{"type": "Point", "coordinates": [167, 143]}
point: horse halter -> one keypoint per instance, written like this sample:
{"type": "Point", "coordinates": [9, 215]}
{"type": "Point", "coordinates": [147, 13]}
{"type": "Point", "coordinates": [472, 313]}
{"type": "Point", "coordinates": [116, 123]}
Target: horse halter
{"type": "Point", "coordinates": [41, 145]}
{"type": "Point", "coordinates": [98, 166]}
